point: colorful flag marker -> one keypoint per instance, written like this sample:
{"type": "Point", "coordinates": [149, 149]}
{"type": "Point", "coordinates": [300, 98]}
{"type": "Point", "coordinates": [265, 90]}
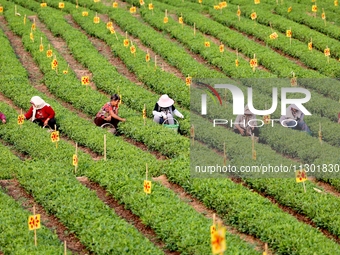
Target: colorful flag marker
{"type": "Point", "coordinates": [238, 13]}
{"type": "Point", "coordinates": [188, 80]}
{"type": "Point", "coordinates": [147, 184]}
{"type": "Point", "coordinates": [21, 119]}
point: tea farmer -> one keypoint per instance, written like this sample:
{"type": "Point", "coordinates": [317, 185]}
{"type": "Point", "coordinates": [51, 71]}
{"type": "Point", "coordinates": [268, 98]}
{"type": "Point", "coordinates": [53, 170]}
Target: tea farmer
{"type": "Point", "coordinates": [245, 124]}
{"type": "Point", "coordinates": [109, 113]}
{"type": "Point", "coordinates": [41, 113]}
{"type": "Point", "coordinates": [165, 110]}
{"type": "Point", "coordinates": [294, 119]}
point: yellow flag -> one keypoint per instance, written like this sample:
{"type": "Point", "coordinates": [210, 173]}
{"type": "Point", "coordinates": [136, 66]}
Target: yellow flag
{"type": "Point", "coordinates": [253, 15]}
{"type": "Point", "coordinates": [289, 33]}
{"type": "Point", "coordinates": [314, 8]}
{"type": "Point", "coordinates": [75, 160]}
{"type": "Point", "coordinates": [54, 64]}
{"type": "Point", "coordinates": [85, 80]}
{"type": "Point", "coordinates": [133, 49]}
{"type": "Point", "coordinates": [253, 62]}
{"type": "Point", "coordinates": [221, 48]}
{"type": "Point", "coordinates": [327, 52]}
{"type": "Point", "coordinates": [21, 119]}
{"type": "Point", "coordinates": [147, 187]}
{"type": "Point", "coordinates": [144, 113]}
{"type": "Point", "coordinates": [218, 243]}
{"type": "Point", "coordinates": [126, 42]}
{"type": "Point", "coordinates": [300, 175]}
{"type": "Point", "coordinates": [34, 222]}
{"type": "Point", "coordinates": [96, 20]}
{"type": "Point", "coordinates": [49, 53]}
{"type": "Point", "coordinates": [273, 36]}
{"type": "Point", "coordinates": [266, 119]}
{"type": "Point", "coordinates": [188, 81]}
{"type": "Point", "coordinates": [55, 136]}
{"type": "Point", "coordinates": [133, 9]}
{"type": "Point", "coordinates": [109, 25]}
{"type": "Point", "coordinates": [147, 57]}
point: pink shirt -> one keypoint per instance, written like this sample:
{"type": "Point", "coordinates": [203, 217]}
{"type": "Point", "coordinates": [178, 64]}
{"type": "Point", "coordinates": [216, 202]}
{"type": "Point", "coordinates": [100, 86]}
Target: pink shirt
{"type": "Point", "coordinates": [2, 116]}
{"type": "Point", "coordinates": [104, 111]}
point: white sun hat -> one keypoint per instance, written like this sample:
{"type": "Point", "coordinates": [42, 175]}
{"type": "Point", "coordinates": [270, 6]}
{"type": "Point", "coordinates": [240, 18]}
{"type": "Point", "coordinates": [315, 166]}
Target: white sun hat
{"type": "Point", "coordinates": [165, 101]}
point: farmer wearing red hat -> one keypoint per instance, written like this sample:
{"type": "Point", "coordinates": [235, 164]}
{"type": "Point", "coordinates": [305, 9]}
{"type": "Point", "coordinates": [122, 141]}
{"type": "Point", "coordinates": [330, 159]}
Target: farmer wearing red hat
{"type": "Point", "coordinates": [164, 110]}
